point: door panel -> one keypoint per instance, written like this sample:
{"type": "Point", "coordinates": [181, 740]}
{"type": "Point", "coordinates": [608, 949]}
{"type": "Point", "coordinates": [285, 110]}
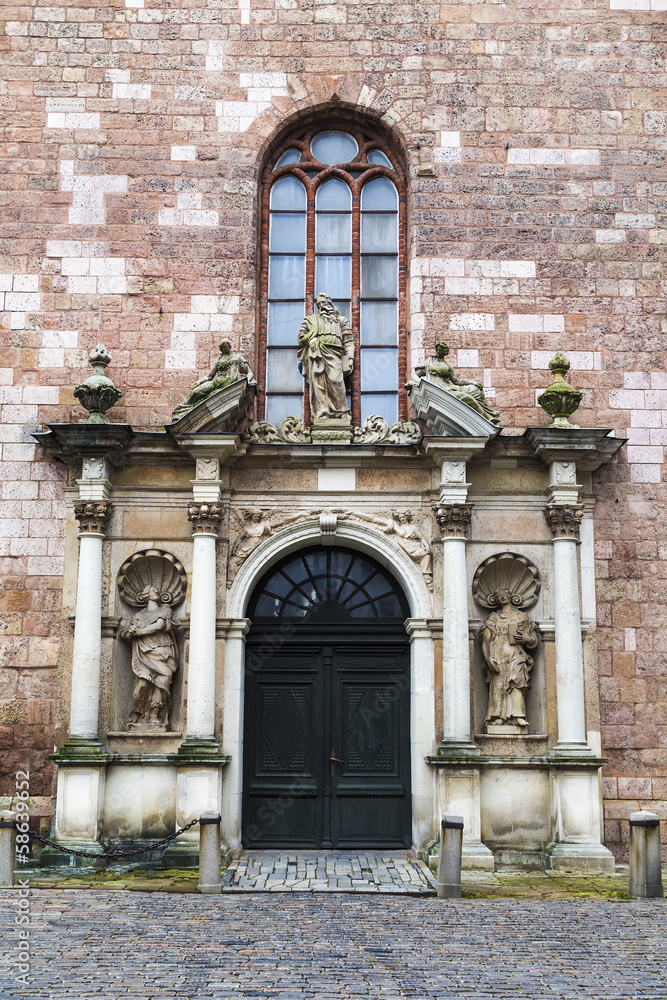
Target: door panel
{"type": "Point", "coordinates": [283, 766]}
{"type": "Point", "coordinates": [304, 706]}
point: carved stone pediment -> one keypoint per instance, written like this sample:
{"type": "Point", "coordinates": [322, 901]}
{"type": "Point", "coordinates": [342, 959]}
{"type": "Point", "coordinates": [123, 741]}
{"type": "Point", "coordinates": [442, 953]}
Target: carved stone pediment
{"type": "Point", "coordinates": [221, 411]}
{"type": "Point", "coordinates": [445, 415]}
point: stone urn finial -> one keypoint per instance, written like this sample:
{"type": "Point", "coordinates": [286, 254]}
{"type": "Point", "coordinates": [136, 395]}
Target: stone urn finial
{"type": "Point", "coordinates": [98, 393]}
{"type": "Point", "coordinates": [560, 399]}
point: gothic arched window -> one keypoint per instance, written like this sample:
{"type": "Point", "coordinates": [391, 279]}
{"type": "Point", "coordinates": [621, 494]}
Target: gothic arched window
{"type": "Point", "coordinates": [334, 221]}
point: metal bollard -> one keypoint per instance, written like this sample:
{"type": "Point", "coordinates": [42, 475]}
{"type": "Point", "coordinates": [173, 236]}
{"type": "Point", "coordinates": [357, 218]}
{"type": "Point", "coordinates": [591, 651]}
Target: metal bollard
{"type": "Point", "coordinates": [7, 848]}
{"type": "Point", "coordinates": [449, 862]}
{"type": "Point", "coordinates": [210, 878]}
{"type": "Point", "coordinates": [645, 873]}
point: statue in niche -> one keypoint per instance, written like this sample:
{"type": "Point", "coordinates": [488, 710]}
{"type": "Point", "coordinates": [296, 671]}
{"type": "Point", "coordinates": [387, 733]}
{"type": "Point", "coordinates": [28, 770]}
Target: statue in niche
{"type": "Point", "coordinates": [470, 393]}
{"type": "Point", "coordinates": [506, 636]}
{"type": "Point", "coordinates": [227, 368]}
{"type": "Point", "coordinates": [154, 659]}
{"type": "Point", "coordinates": [255, 528]}
{"type": "Point", "coordinates": [408, 537]}
{"type": "Point", "coordinates": [326, 359]}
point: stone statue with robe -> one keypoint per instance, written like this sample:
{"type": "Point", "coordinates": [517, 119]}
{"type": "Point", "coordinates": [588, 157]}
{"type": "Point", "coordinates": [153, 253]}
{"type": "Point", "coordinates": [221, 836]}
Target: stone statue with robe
{"type": "Point", "coordinates": [326, 356]}
{"type": "Point", "coordinates": [154, 660]}
{"type": "Point", "coordinates": [506, 636]}
{"type": "Point", "coordinates": [472, 394]}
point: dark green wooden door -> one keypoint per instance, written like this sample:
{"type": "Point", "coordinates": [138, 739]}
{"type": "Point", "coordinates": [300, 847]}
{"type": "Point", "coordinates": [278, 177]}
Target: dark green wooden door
{"type": "Point", "coordinates": [326, 733]}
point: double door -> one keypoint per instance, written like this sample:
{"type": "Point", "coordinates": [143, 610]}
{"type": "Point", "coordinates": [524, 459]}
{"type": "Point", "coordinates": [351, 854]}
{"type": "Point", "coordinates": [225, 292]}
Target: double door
{"type": "Point", "coordinates": [327, 744]}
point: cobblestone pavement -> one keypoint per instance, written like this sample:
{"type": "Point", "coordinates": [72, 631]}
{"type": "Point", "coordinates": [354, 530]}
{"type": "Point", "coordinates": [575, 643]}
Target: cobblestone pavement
{"type": "Point", "coordinates": [102, 945]}
{"type": "Point", "coordinates": [339, 871]}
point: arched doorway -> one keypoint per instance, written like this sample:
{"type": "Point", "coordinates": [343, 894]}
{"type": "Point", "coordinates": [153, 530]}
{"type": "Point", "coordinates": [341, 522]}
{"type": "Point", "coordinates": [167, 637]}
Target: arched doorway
{"type": "Point", "coordinates": [327, 706]}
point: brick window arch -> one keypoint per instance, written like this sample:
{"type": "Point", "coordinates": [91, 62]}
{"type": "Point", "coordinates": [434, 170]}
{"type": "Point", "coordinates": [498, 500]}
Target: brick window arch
{"type": "Point", "coordinates": [333, 220]}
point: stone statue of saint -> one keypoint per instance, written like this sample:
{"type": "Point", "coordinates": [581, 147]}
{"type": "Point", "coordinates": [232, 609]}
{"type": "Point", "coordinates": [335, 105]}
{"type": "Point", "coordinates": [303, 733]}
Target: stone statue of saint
{"type": "Point", "coordinates": [326, 354]}
{"type": "Point", "coordinates": [471, 393]}
{"type": "Point", "coordinates": [408, 537]}
{"type": "Point", "coordinates": [227, 368]}
{"type": "Point", "coordinates": [154, 659]}
{"type": "Point", "coordinates": [506, 636]}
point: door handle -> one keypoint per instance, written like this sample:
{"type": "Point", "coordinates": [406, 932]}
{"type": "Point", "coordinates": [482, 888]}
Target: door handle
{"type": "Point", "coordinates": [333, 760]}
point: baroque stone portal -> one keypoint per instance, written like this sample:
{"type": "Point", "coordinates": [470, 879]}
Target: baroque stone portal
{"type": "Point", "coordinates": [151, 581]}
{"type": "Point", "coordinates": [326, 356]}
{"type": "Point", "coordinates": [226, 369]}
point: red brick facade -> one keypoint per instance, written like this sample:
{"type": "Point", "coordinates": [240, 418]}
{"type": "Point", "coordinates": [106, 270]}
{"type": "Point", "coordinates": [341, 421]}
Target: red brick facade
{"type": "Point", "coordinates": [133, 144]}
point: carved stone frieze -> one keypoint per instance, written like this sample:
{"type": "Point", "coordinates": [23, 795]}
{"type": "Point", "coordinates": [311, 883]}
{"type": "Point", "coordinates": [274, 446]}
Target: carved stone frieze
{"type": "Point", "coordinates": [564, 519]}
{"type": "Point", "coordinates": [205, 518]}
{"type": "Point", "coordinates": [399, 525]}
{"type": "Point", "coordinates": [92, 515]}
{"type": "Point", "coordinates": [376, 430]}
{"type": "Point", "coordinates": [454, 519]}
{"type": "Point", "coordinates": [292, 430]}
{"type": "Point", "coordinates": [256, 525]}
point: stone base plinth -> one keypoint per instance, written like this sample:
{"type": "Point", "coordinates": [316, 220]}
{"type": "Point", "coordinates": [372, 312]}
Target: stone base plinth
{"type": "Point", "coordinates": [580, 859]}
{"type": "Point", "coordinates": [331, 430]}
{"type": "Point", "coordinates": [505, 729]}
{"type": "Point", "coordinates": [51, 857]}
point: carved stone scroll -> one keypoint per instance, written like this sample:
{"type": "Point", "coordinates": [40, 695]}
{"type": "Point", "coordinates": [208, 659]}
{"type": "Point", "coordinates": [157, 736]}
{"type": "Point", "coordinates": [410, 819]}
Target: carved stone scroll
{"type": "Point", "coordinates": [92, 515]}
{"type": "Point", "coordinates": [564, 519]}
{"type": "Point", "coordinates": [376, 430]}
{"type": "Point", "coordinates": [292, 430]}
{"type": "Point", "coordinates": [454, 519]}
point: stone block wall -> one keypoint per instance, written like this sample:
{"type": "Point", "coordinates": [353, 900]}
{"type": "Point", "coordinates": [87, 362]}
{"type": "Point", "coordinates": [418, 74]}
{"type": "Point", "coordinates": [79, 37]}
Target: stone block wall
{"type": "Point", "coordinates": [535, 137]}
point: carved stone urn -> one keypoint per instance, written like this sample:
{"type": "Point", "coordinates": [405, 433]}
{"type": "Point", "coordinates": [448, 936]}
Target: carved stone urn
{"type": "Point", "coordinates": [560, 399]}
{"type": "Point", "coordinates": [98, 393]}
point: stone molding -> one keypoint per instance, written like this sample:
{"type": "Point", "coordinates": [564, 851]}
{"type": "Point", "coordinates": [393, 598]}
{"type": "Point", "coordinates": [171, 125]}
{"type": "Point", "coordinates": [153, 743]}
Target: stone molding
{"type": "Point", "coordinates": [205, 518]}
{"type": "Point", "coordinates": [92, 516]}
{"type": "Point", "coordinates": [564, 519]}
{"type": "Point", "coordinates": [454, 519]}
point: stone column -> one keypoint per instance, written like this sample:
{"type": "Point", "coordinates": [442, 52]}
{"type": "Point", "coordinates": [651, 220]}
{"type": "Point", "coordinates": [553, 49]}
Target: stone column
{"type": "Point", "coordinates": [454, 522]}
{"type": "Point", "coordinates": [422, 730]}
{"type": "Point", "coordinates": [564, 521]}
{"type": "Point", "coordinates": [232, 732]}
{"type": "Point", "coordinates": [200, 724]}
{"type": "Point", "coordinates": [92, 516]}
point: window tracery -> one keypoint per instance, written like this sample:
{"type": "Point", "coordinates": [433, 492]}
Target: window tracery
{"type": "Point", "coordinates": [333, 221]}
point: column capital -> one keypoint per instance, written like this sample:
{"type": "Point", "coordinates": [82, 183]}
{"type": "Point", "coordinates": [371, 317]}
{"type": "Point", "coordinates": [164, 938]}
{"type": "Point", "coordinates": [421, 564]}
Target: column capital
{"type": "Point", "coordinates": [92, 516]}
{"type": "Point", "coordinates": [454, 519]}
{"type": "Point", "coordinates": [205, 518]}
{"type": "Point", "coordinates": [564, 519]}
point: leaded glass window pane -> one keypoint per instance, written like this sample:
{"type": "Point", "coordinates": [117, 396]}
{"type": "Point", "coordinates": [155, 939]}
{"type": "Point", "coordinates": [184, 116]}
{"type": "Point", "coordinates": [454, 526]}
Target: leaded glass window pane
{"type": "Point", "coordinates": [333, 275]}
{"type": "Point", "coordinates": [287, 278]}
{"type": "Point", "coordinates": [377, 156]}
{"type": "Point", "coordinates": [379, 277]}
{"type": "Point", "coordinates": [280, 406]}
{"type": "Point", "coordinates": [288, 232]}
{"type": "Point", "coordinates": [379, 323]}
{"type": "Point", "coordinates": [333, 196]}
{"type": "Point", "coordinates": [379, 232]}
{"type": "Point", "coordinates": [379, 369]}
{"type": "Point", "coordinates": [288, 194]}
{"type": "Point", "coordinates": [380, 405]}
{"type": "Point", "coordinates": [292, 156]}
{"type": "Point", "coordinates": [284, 320]}
{"type": "Point", "coordinates": [334, 147]}
{"type": "Point", "coordinates": [379, 195]}
{"type": "Point", "coordinates": [282, 373]}
{"type": "Point", "coordinates": [333, 233]}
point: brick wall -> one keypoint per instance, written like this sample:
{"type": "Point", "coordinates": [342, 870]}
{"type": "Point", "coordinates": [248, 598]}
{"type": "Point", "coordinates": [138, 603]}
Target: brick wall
{"type": "Point", "coordinates": [535, 137]}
